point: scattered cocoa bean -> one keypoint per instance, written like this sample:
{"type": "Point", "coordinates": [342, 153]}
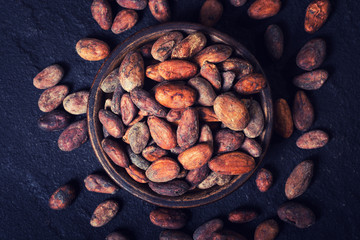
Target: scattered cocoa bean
{"type": "Point", "coordinates": [174, 235]}
{"type": "Point", "coordinates": [299, 179]}
{"type": "Point", "coordinates": [316, 15]}
{"type": "Point", "coordinates": [160, 9]}
{"type": "Point", "coordinates": [242, 216]}
{"type": "Point", "coordinates": [311, 80]}
{"type": "Point", "coordinates": [54, 121]}
{"type": "Point", "coordinates": [133, 4]}
{"type": "Point", "coordinates": [261, 9]}
{"type": "Point", "coordinates": [73, 136]}
{"type": "Point", "coordinates": [103, 213]}
{"type": "Point", "coordinates": [62, 197]}
{"type": "Point", "coordinates": [267, 230]}
{"type": "Point", "coordinates": [311, 55]}
{"type": "Point", "coordinates": [210, 12]}
{"type": "Point", "coordinates": [264, 180]}
{"type": "Point", "coordinates": [48, 77]}
{"type": "Point", "coordinates": [92, 49]}
{"type": "Point", "coordinates": [274, 41]}
{"type": "Point", "coordinates": [76, 103]}
{"type": "Point", "coordinates": [168, 218]}
{"type": "Point", "coordinates": [296, 214]}
{"type": "Point", "coordinates": [303, 111]}
{"type": "Point", "coordinates": [205, 230]}
{"type": "Point", "coordinates": [283, 122]}
{"type": "Point", "coordinates": [124, 21]}
{"type": "Point", "coordinates": [102, 14]}
{"type": "Point", "coordinates": [100, 184]}
{"type": "Point", "coordinates": [52, 97]}
{"type": "Point", "coordinates": [312, 140]}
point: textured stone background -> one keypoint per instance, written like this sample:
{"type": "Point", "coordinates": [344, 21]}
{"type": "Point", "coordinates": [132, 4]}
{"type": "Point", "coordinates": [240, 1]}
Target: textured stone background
{"type": "Point", "coordinates": [38, 33]}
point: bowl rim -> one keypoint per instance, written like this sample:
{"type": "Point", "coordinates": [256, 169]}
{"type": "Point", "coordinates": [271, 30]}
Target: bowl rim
{"type": "Point", "coordinates": [165, 201]}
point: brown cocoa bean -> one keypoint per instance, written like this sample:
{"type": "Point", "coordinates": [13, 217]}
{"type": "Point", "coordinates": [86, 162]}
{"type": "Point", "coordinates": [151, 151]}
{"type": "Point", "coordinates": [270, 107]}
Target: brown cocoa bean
{"type": "Point", "coordinates": [174, 115]}
{"type": "Point", "coordinates": [283, 122]}
{"type": "Point", "coordinates": [261, 9]}
{"type": "Point", "coordinates": [238, 66]}
{"type": "Point", "coordinates": [187, 132]}
{"type": "Point", "coordinates": [124, 20]}
{"type": "Point", "coordinates": [267, 230]}
{"type": "Point", "coordinates": [116, 236]}
{"type": "Point", "coordinates": [54, 121]}
{"type": "Point", "coordinates": [182, 173]}
{"type": "Point", "coordinates": [209, 181]}
{"type": "Point", "coordinates": [52, 97]}
{"type": "Point", "coordinates": [175, 95]}
{"type": "Point", "coordinates": [177, 69]}
{"type": "Point", "coordinates": [131, 71]}
{"type": "Point", "coordinates": [116, 100]}
{"type": "Point", "coordinates": [205, 91]}
{"type": "Point", "coordinates": [111, 81]}
{"type": "Point", "coordinates": [312, 140]}
{"type": "Point", "coordinates": [206, 135]}
{"type": "Point", "coordinates": [145, 102]}
{"type": "Point", "coordinates": [311, 55]}
{"type": "Point", "coordinates": [48, 77]}
{"type": "Point", "coordinates": [62, 197]}
{"type": "Point", "coordinates": [152, 72]}
{"type": "Point", "coordinates": [196, 156]}
{"type": "Point", "coordinates": [213, 54]}
{"type": "Point", "coordinates": [102, 14]}
{"type": "Point", "coordinates": [160, 9]}
{"type": "Point", "coordinates": [164, 169]}
{"type": "Point", "coordinates": [252, 147]}
{"type": "Point", "coordinates": [174, 235]}
{"type": "Point", "coordinates": [250, 84]}
{"type": "Point", "coordinates": [112, 123]}
{"type": "Point", "coordinates": [73, 136]}
{"type": "Point", "coordinates": [274, 41]}
{"type": "Point", "coordinates": [173, 188]}
{"type": "Point", "coordinates": [76, 103]}
{"type": "Point", "coordinates": [196, 176]}
{"type": "Point", "coordinates": [296, 214]}
{"type": "Point", "coordinates": [168, 218]}
{"type": "Point", "coordinates": [152, 153]}
{"type": "Point", "coordinates": [92, 49]}
{"type": "Point", "coordinates": [103, 213]}
{"type": "Point", "coordinates": [205, 230]}
{"type": "Point", "coordinates": [227, 235]}
{"type": "Point", "coordinates": [228, 80]}
{"type": "Point", "coordinates": [231, 112]}
{"type": "Point", "coordinates": [145, 50]}
{"type": "Point", "coordinates": [316, 15]}
{"type": "Point", "coordinates": [257, 121]}
{"type": "Point", "coordinates": [311, 80]}
{"type": "Point", "coordinates": [100, 184]}
{"type": "Point", "coordinates": [227, 140]}
{"type": "Point", "coordinates": [210, 72]}
{"type": "Point", "coordinates": [162, 48]}
{"type": "Point", "coordinates": [115, 152]}
{"type": "Point", "coordinates": [137, 174]}
{"type": "Point", "coordinates": [210, 12]}
{"type": "Point", "coordinates": [303, 111]}
{"type": "Point", "coordinates": [233, 163]}
{"type": "Point", "coordinates": [242, 216]}
{"type": "Point", "coordinates": [138, 137]}
{"type": "Point", "coordinates": [162, 133]}
{"type": "Point", "coordinates": [137, 160]}
{"type": "Point", "coordinates": [133, 4]}
{"type": "Point", "coordinates": [128, 109]}
{"type": "Point", "coordinates": [264, 180]}
{"type": "Point", "coordinates": [299, 179]}
{"type": "Point", "coordinates": [207, 114]}
{"type": "Point", "coordinates": [222, 180]}
{"type": "Point", "coordinates": [189, 46]}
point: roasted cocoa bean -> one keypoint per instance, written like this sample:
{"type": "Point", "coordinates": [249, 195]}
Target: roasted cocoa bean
{"type": "Point", "coordinates": [206, 229]}
{"type": "Point", "coordinates": [102, 14]}
{"type": "Point", "coordinates": [210, 12]}
{"type": "Point", "coordinates": [177, 69]}
{"type": "Point", "coordinates": [54, 121]}
{"type": "Point", "coordinates": [92, 49]}
{"type": "Point", "coordinates": [311, 80]}
{"type": "Point", "coordinates": [160, 9]}
{"type": "Point", "coordinates": [196, 176]}
{"type": "Point", "coordinates": [213, 54]}
{"type": "Point", "coordinates": [312, 140]}
{"type": "Point", "coordinates": [210, 72]}
{"type": "Point", "coordinates": [128, 109]}
{"type": "Point", "coordinates": [173, 188]}
{"type": "Point", "coordinates": [76, 103]}
{"type": "Point", "coordinates": [250, 84]}
{"type": "Point", "coordinates": [252, 147]}
{"type": "Point", "coordinates": [175, 95]}
{"type": "Point", "coordinates": [100, 184]}
{"type": "Point", "coordinates": [267, 230]}
{"type": "Point", "coordinates": [62, 197]}
{"type": "Point", "coordinates": [187, 132]}
{"type": "Point", "coordinates": [115, 152]}
{"type": "Point", "coordinates": [283, 121]}
{"type": "Point", "coordinates": [227, 140]}
{"type": "Point", "coordinates": [274, 41]}
{"type": "Point", "coordinates": [124, 20]}
{"type": "Point", "coordinates": [168, 218]}
{"type": "Point", "coordinates": [111, 81]}
{"type": "Point", "coordinates": [48, 77]}
{"type": "Point", "coordinates": [73, 136]}
{"type": "Point", "coordinates": [261, 9]}
{"type": "Point", "coordinates": [189, 46]}
{"type": "Point", "coordinates": [238, 66]}
{"type": "Point", "coordinates": [52, 97]}
{"type": "Point", "coordinates": [233, 163]}
{"type": "Point", "coordinates": [162, 133]}
{"type": "Point", "coordinates": [299, 179]}
{"type": "Point", "coordinates": [112, 123]}
{"type": "Point", "coordinates": [257, 120]}
{"type": "Point", "coordinates": [196, 156]}
{"type": "Point", "coordinates": [133, 4]}
{"type": "Point", "coordinates": [153, 153]}
{"type": "Point", "coordinates": [303, 111]}
{"type": "Point", "coordinates": [131, 71]}
{"type": "Point", "coordinates": [316, 15]}
{"type": "Point", "coordinates": [138, 137]}
{"type": "Point", "coordinates": [145, 102]}
{"type": "Point", "coordinates": [296, 214]}
{"type": "Point", "coordinates": [162, 48]}
{"type": "Point", "coordinates": [242, 216]}
{"type": "Point", "coordinates": [311, 55]}
{"type": "Point", "coordinates": [103, 213]}
{"type": "Point", "coordinates": [264, 180]}
{"type": "Point", "coordinates": [164, 169]}
{"type": "Point", "coordinates": [206, 94]}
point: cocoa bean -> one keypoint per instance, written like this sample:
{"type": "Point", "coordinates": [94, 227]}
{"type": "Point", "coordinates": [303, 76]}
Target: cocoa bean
{"type": "Point", "coordinates": [283, 122]}
{"type": "Point", "coordinates": [138, 137]}
{"type": "Point", "coordinates": [112, 123]}
{"type": "Point", "coordinates": [137, 160]}
{"type": "Point", "coordinates": [162, 133]}
{"type": "Point", "coordinates": [267, 230]}
{"type": "Point", "coordinates": [189, 46]}
{"type": "Point", "coordinates": [100, 184]}
{"type": "Point", "coordinates": [299, 179]}
{"type": "Point", "coordinates": [52, 97]}
{"type": "Point", "coordinates": [233, 163]}
{"type": "Point", "coordinates": [164, 169]}
{"type": "Point", "coordinates": [133, 4]}
{"type": "Point", "coordinates": [261, 9]}
{"type": "Point", "coordinates": [296, 214]}
{"type": "Point", "coordinates": [143, 100]}
{"type": "Point", "coordinates": [196, 156]}
{"type": "Point", "coordinates": [111, 81]}
{"type": "Point", "coordinates": [168, 218]}
{"type": "Point", "coordinates": [213, 54]}
{"type": "Point", "coordinates": [210, 12]}
{"type": "Point", "coordinates": [196, 176]}
{"type": "Point", "coordinates": [256, 125]}
{"type": "Point", "coordinates": [115, 152]}
{"type": "Point", "coordinates": [131, 71]}
{"type": "Point", "coordinates": [73, 136]}
{"type": "Point", "coordinates": [238, 66]}
{"type": "Point", "coordinates": [48, 77]}
{"type": "Point", "coordinates": [124, 21]}
{"type": "Point", "coordinates": [316, 15]}
{"type": "Point", "coordinates": [264, 180]}
{"type": "Point", "coordinates": [205, 230]}
{"type": "Point", "coordinates": [101, 12]}
{"type": "Point", "coordinates": [311, 55]}
{"type": "Point", "coordinates": [92, 49]}
{"type": "Point", "coordinates": [160, 9]}
{"type": "Point", "coordinates": [103, 213]}
{"type": "Point", "coordinates": [175, 95]}
{"type": "Point", "coordinates": [250, 84]}
{"type": "Point", "coordinates": [162, 48]}
{"type": "Point", "coordinates": [252, 147]}
{"type": "Point", "coordinates": [177, 69]}
{"type": "Point", "coordinates": [227, 140]}
{"type": "Point", "coordinates": [205, 91]}
{"type": "Point", "coordinates": [152, 153]}
{"type": "Point", "coordinates": [54, 121]}
{"type": "Point", "coordinates": [128, 109]}
{"type": "Point", "coordinates": [187, 132]}
{"type": "Point", "coordinates": [311, 80]}
{"type": "Point", "coordinates": [173, 188]}
{"type": "Point", "coordinates": [210, 72]}
{"type": "Point", "coordinates": [62, 197]}
{"type": "Point", "coordinates": [242, 216]}
{"type": "Point", "coordinates": [76, 103]}
{"type": "Point", "coordinates": [303, 111]}
{"type": "Point", "coordinates": [274, 41]}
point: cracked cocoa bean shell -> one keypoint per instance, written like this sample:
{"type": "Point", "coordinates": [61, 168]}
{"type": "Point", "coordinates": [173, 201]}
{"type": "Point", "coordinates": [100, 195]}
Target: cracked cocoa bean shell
{"type": "Point", "coordinates": [316, 15]}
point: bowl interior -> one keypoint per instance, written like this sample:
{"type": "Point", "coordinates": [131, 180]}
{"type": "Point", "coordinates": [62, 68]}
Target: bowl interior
{"type": "Point", "coordinates": [97, 99]}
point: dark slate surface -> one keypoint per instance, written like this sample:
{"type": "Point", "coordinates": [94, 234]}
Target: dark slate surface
{"type": "Point", "coordinates": [38, 33]}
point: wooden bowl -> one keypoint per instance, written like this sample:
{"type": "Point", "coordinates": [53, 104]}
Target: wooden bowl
{"type": "Point", "coordinates": [97, 98]}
